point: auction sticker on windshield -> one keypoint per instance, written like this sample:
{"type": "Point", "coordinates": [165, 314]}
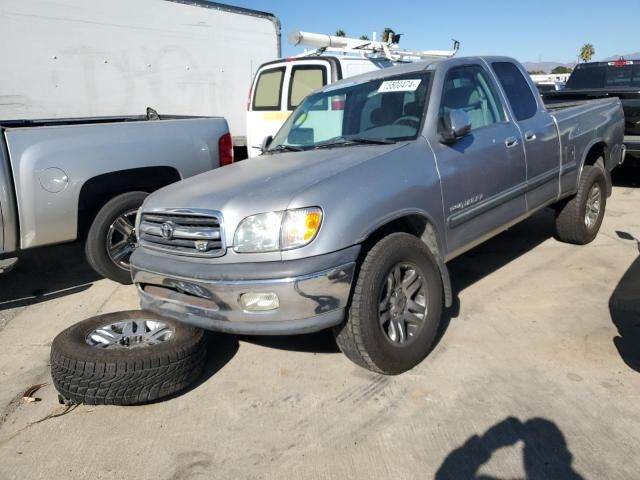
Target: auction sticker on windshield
{"type": "Point", "coordinates": [399, 86]}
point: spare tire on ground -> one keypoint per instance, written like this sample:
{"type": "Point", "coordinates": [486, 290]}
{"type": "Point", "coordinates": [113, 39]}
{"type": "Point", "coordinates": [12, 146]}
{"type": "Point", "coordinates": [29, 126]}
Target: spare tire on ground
{"type": "Point", "coordinates": [126, 358]}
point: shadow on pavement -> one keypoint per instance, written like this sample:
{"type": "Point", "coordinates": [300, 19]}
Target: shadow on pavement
{"type": "Point", "coordinates": [319, 342]}
{"type": "Point", "coordinates": [624, 307]}
{"type": "Point", "coordinates": [545, 452]}
{"type": "Point", "coordinates": [627, 174]}
{"type": "Point", "coordinates": [44, 274]}
{"type": "Point", "coordinates": [221, 349]}
{"type": "Point", "coordinates": [494, 254]}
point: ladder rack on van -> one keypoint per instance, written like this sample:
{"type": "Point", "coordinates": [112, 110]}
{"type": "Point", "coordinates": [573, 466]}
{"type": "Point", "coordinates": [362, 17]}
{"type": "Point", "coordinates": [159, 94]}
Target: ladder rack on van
{"type": "Point", "coordinates": [365, 48]}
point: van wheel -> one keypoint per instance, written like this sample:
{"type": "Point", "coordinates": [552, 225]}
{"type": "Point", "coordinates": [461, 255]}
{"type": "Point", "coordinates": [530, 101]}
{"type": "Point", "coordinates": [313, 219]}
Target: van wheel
{"type": "Point", "coordinates": [125, 358]}
{"type": "Point", "coordinates": [112, 239]}
{"type": "Point", "coordinates": [396, 307]}
{"type": "Point", "coordinates": [578, 220]}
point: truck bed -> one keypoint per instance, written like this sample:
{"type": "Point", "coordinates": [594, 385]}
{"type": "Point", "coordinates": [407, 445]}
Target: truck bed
{"type": "Point", "coordinates": [553, 105]}
{"type": "Point", "coordinates": [58, 122]}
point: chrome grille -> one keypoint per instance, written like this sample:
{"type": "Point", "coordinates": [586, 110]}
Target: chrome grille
{"type": "Point", "coordinates": [183, 233]}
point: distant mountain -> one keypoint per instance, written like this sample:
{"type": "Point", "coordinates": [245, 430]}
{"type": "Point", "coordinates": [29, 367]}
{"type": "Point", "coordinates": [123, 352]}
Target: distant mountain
{"type": "Point", "coordinates": [628, 56]}
{"type": "Point", "coordinates": [548, 66]}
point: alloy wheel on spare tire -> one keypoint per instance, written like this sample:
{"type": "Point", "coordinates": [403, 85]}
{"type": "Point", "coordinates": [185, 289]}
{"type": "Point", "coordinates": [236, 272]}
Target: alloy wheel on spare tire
{"type": "Point", "coordinates": [126, 358]}
{"type": "Point", "coordinates": [578, 219]}
{"type": "Point", "coordinates": [395, 308]}
{"type": "Point", "coordinates": [112, 237]}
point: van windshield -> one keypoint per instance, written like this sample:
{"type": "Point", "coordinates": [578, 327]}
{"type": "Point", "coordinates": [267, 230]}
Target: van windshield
{"type": "Point", "coordinates": [384, 110]}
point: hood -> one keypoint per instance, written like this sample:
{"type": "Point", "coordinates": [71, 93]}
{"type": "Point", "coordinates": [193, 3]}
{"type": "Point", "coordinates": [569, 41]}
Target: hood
{"type": "Point", "coordinates": [262, 184]}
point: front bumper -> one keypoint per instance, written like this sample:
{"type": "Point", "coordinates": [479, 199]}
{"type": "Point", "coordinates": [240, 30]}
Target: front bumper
{"type": "Point", "coordinates": [312, 293]}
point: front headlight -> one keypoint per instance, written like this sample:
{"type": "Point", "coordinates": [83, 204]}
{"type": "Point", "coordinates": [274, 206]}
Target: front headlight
{"type": "Point", "coordinates": [273, 231]}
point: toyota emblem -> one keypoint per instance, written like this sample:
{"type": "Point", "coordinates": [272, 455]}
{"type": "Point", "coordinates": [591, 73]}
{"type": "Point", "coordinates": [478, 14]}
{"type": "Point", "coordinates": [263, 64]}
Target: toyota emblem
{"type": "Point", "coordinates": [167, 230]}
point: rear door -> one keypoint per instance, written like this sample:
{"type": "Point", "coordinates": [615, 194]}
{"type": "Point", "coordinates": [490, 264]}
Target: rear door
{"type": "Point", "coordinates": [483, 174]}
{"type": "Point", "coordinates": [538, 129]}
{"type": "Point", "coordinates": [277, 90]}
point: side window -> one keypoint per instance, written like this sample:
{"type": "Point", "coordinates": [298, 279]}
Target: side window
{"type": "Point", "coordinates": [468, 88]}
{"type": "Point", "coordinates": [304, 80]}
{"type": "Point", "coordinates": [518, 92]}
{"type": "Point", "coordinates": [268, 89]}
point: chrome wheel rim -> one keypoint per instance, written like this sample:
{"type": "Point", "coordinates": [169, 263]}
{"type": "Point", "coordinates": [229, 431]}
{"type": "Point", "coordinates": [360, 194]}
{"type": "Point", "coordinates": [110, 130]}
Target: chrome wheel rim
{"type": "Point", "coordinates": [129, 334]}
{"type": "Point", "coordinates": [121, 239]}
{"type": "Point", "coordinates": [594, 203]}
{"type": "Point", "coordinates": [402, 306]}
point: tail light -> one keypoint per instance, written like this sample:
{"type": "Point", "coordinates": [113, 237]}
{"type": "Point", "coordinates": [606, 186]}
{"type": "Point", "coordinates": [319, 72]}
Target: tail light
{"type": "Point", "coordinates": [337, 102]}
{"type": "Point", "coordinates": [225, 150]}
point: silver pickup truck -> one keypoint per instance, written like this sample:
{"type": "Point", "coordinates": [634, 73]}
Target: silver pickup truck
{"type": "Point", "coordinates": [62, 180]}
{"type": "Point", "coordinates": [372, 185]}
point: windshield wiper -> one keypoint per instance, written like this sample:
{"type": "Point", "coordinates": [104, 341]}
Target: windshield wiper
{"type": "Point", "coordinates": [285, 148]}
{"type": "Point", "coordinates": [354, 140]}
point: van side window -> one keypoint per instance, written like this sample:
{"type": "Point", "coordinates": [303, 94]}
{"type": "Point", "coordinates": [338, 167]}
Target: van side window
{"type": "Point", "coordinates": [518, 92]}
{"type": "Point", "coordinates": [304, 80]}
{"type": "Point", "coordinates": [268, 89]}
{"type": "Point", "coordinates": [468, 88]}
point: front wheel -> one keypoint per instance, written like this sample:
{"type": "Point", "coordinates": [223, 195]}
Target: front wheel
{"type": "Point", "coordinates": [112, 239]}
{"type": "Point", "coordinates": [396, 307]}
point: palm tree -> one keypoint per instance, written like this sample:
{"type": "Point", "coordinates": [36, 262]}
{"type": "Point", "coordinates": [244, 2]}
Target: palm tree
{"type": "Point", "coordinates": [340, 33]}
{"type": "Point", "coordinates": [364, 37]}
{"type": "Point", "coordinates": [586, 52]}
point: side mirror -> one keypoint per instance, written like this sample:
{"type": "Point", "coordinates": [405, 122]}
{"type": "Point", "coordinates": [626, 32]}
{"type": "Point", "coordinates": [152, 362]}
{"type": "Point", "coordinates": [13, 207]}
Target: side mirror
{"type": "Point", "coordinates": [265, 143]}
{"type": "Point", "coordinates": [457, 124]}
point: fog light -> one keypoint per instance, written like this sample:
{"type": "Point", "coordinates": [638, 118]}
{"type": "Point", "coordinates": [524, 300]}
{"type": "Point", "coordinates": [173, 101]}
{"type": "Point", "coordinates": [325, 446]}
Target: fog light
{"type": "Point", "coordinates": [259, 301]}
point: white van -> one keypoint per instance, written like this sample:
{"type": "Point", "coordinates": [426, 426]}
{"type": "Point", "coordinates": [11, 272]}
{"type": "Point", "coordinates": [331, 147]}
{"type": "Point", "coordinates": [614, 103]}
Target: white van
{"type": "Point", "coordinates": [279, 86]}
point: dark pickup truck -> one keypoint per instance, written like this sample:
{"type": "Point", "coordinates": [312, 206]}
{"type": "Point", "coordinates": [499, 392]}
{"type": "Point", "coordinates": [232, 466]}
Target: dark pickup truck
{"type": "Point", "coordinates": [620, 78]}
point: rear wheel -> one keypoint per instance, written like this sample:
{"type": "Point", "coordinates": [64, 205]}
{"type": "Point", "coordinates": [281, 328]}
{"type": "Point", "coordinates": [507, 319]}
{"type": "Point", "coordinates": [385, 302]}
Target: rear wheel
{"type": "Point", "coordinates": [396, 307]}
{"type": "Point", "coordinates": [112, 239]}
{"type": "Point", "coordinates": [578, 220]}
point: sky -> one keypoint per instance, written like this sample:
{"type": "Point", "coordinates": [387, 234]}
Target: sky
{"type": "Point", "coordinates": [526, 30]}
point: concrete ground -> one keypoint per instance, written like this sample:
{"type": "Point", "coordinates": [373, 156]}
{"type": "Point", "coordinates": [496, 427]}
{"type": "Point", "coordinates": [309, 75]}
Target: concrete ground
{"type": "Point", "coordinates": [536, 375]}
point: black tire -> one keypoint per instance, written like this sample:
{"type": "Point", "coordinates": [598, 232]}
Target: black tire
{"type": "Point", "coordinates": [361, 337]}
{"type": "Point", "coordinates": [125, 376]}
{"type": "Point", "coordinates": [571, 224]}
{"type": "Point", "coordinates": [96, 249]}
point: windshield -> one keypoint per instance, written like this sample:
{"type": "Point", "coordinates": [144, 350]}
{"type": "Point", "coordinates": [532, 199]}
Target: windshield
{"type": "Point", "coordinates": [384, 110]}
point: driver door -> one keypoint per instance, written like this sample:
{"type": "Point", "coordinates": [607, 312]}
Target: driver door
{"type": "Point", "coordinates": [483, 174]}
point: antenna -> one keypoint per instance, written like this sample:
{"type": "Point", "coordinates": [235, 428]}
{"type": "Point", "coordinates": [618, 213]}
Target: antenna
{"type": "Point", "coordinates": [388, 49]}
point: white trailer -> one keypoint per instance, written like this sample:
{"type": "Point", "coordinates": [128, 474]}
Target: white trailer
{"type": "Point", "coordinates": [74, 58]}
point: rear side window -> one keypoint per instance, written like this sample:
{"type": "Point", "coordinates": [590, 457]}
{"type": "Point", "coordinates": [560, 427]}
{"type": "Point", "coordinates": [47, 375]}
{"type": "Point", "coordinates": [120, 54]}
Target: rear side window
{"type": "Point", "coordinates": [589, 76]}
{"type": "Point", "coordinates": [304, 80]}
{"type": "Point", "coordinates": [518, 92]}
{"type": "Point", "coordinates": [268, 89]}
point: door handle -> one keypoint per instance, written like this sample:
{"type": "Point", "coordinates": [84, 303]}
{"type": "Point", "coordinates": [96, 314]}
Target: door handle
{"type": "Point", "coordinates": [511, 142]}
{"type": "Point", "coordinates": [529, 136]}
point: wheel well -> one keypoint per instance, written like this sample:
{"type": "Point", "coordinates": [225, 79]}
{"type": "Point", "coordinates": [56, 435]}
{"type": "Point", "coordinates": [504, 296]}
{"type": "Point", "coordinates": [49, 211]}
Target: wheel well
{"type": "Point", "coordinates": [597, 155]}
{"type": "Point", "coordinates": [419, 226]}
{"type": "Point", "coordinates": [99, 190]}
{"type": "Point", "coordinates": [595, 152]}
